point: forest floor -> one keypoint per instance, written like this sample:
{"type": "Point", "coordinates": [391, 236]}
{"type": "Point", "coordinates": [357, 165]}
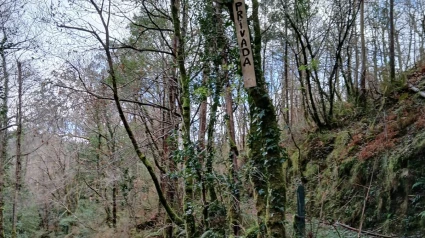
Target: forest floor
{"type": "Point", "coordinates": [318, 229]}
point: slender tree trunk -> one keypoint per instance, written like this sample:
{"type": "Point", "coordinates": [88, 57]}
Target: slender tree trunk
{"type": "Point", "coordinates": [375, 58]}
{"type": "Point", "coordinates": [169, 144]}
{"type": "Point", "coordinates": [203, 114]}
{"type": "Point", "coordinates": [422, 40]}
{"type": "Point", "coordinates": [286, 60]}
{"type": "Point", "coordinates": [107, 207]}
{"type": "Point", "coordinates": [189, 216]}
{"type": "Point", "coordinates": [234, 212]}
{"type": "Point", "coordinates": [364, 58]}
{"type": "Point", "coordinates": [4, 93]}
{"type": "Point", "coordinates": [106, 45]}
{"type": "Point", "coordinates": [399, 53]}
{"type": "Point", "coordinates": [18, 165]}
{"type": "Point", "coordinates": [210, 135]}
{"type": "Point", "coordinates": [391, 37]}
{"type": "Point", "coordinates": [357, 58]}
{"type": "Point", "coordinates": [218, 50]}
{"type": "Point", "coordinates": [201, 140]}
{"type": "Point", "coordinates": [292, 97]}
{"type": "Point", "coordinates": [384, 55]}
{"type": "Point", "coordinates": [114, 205]}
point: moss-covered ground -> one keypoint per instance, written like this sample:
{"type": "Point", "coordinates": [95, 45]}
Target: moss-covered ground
{"type": "Point", "coordinates": [377, 155]}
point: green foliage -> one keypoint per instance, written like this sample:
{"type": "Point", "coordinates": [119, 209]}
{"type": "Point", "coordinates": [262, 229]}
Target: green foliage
{"type": "Point", "coordinates": [389, 87]}
{"type": "Point", "coordinates": [28, 221]}
{"type": "Point", "coordinates": [252, 232]}
{"type": "Point", "coordinates": [313, 65]}
{"type": "Point", "coordinates": [304, 9]}
{"type": "Point", "coordinates": [127, 183]}
{"type": "Point", "coordinates": [86, 216]}
{"type": "Point", "coordinates": [202, 92]}
{"type": "Point", "coordinates": [419, 183]}
{"type": "Point", "coordinates": [28, 217]}
{"type": "Point", "coordinates": [211, 234]}
{"type": "Point", "coordinates": [67, 222]}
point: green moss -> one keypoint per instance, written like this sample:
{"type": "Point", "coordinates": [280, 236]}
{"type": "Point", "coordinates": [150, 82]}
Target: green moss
{"type": "Point", "coordinates": [344, 170]}
{"type": "Point", "coordinates": [295, 162]}
{"type": "Point", "coordinates": [211, 234]}
{"type": "Point", "coordinates": [337, 180]}
{"type": "Point", "coordinates": [312, 170]}
{"type": "Point", "coordinates": [418, 142]}
{"type": "Point", "coordinates": [252, 232]}
{"type": "Point", "coordinates": [360, 172]}
{"type": "Point", "coordinates": [340, 149]}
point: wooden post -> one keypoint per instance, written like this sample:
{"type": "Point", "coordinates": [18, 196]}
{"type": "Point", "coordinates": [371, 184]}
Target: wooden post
{"type": "Point", "coordinates": [299, 223]}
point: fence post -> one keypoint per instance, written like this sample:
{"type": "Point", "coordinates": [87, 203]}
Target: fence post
{"type": "Point", "coordinates": [299, 223]}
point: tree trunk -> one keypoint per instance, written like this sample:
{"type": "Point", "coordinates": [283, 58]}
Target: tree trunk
{"type": "Point", "coordinates": [364, 58]}
{"type": "Point", "coordinates": [356, 53]}
{"type": "Point", "coordinates": [106, 47]}
{"type": "Point", "coordinates": [169, 144]}
{"type": "Point", "coordinates": [201, 140]}
{"type": "Point", "coordinates": [286, 60]}
{"type": "Point", "coordinates": [399, 53]}
{"type": "Point", "coordinates": [375, 58]}
{"type": "Point", "coordinates": [18, 165]}
{"type": "Point", "coordinates": [391, 37]}
{"type": "Point", "coordinates": [189, 216]}
{"type": "Point", "coordinates": [4, 93]}
{"type": "Point", "coordinates": [210, 134]}
{"type": "Point", "coordinates": [234, 211]}
{"type": "Point", "coordinates": [114, 205]}
{"type": "Point", "coordinates": [266, 155]}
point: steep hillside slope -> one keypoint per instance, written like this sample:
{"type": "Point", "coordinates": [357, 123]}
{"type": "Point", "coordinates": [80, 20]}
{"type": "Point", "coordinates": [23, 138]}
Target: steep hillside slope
{"type": "Point", "coordinates": [378, 157]}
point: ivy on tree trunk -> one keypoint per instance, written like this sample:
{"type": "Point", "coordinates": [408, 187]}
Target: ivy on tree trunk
{"type": "Point", "coordinates": [266, 156]}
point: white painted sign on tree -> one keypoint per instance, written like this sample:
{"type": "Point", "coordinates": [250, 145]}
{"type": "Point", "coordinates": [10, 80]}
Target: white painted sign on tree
{"type": "Point", "coordinates": [244, 42]}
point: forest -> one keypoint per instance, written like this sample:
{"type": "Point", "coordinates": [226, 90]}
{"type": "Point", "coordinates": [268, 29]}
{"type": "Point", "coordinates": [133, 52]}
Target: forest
{"type": "Point", "coordinates": [212, 118]}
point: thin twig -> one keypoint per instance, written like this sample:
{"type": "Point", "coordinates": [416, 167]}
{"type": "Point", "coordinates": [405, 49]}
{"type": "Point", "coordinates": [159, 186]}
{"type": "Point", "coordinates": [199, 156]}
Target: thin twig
{"type": "Point", "coordinates": [364, 232]}
{"type": "Point", "coordinates": [367, 197]}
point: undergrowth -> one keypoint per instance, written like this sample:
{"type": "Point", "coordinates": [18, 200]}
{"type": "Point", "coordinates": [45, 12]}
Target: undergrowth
{"type": "Point", "coordinates": [380, 153]}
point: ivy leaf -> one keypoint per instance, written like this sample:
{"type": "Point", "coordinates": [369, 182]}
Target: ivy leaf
{"type": "Point", "coordinates": [403, 96]}
{"type": "Point", "coordinates": [419, 183]}
{"type": "Point", "coordinates": [315, 64]}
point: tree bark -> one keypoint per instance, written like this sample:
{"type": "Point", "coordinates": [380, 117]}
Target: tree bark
{"type": "Point", "coordinates": [234, 211]}
{"type": "Point", "coordinates": [286, 66]}
{"type": "Point", "coordinates": [4, 94]}
{"type": "Point", "coordinates": [392, 44]}
{"type": "Point", "coordinates": [189, 216]}
{"type": "Point", "coordinates": [266, 155]}
{"type": "Point", "coordinates": [201, 140]}
{"type": "Point", "coordinates": [114, 205]}
{"type": "Point", "coordinates": [18, 166]}
{"type": "Point", "coordinates": [364, 58]}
